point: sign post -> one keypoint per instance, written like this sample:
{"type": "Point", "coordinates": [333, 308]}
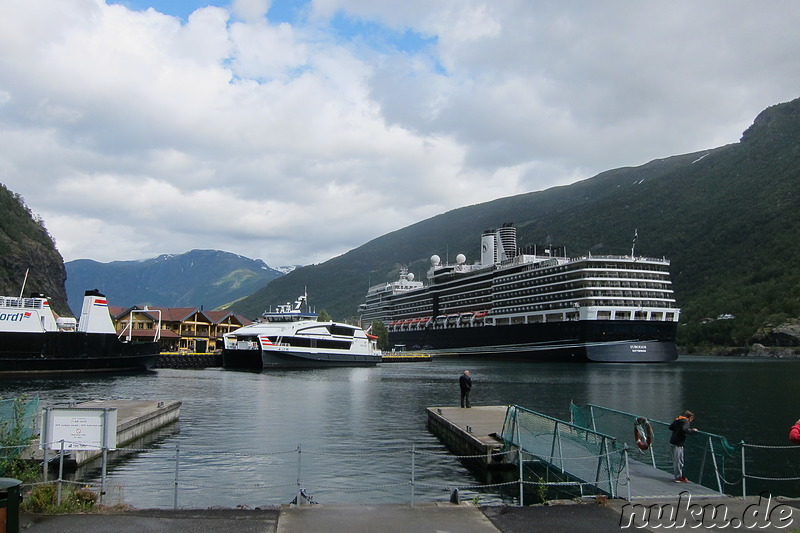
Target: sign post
{"type": "Point", "coordinates": [79, 428]}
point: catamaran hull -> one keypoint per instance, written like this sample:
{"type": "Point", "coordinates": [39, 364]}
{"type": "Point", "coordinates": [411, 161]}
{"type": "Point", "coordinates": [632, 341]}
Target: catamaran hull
{"type": "Point", "coordinates": [73, 352]}
{"type": "Point", "coordinates": [595, 341]}
{"type": "Point", "coordinates": [257, 360]}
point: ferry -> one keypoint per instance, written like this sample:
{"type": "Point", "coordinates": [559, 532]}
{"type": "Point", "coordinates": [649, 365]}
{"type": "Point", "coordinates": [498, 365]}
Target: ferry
{"type": "Point", "coordinates": [529, 306]}
{"type": "Point", "coordinates": [291, 337]}
{"type": "Point", "coordinates": [34, 341]}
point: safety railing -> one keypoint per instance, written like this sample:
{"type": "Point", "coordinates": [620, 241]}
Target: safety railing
{"type": "Point", "coordinates": [575, 451]}
{"type": "Point", "coordinates": [714, 451]}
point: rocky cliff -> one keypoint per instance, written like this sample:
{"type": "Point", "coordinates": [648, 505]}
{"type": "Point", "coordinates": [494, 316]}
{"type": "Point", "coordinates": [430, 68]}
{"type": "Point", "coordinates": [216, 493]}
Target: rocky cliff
{"type": "Point", "coordinates": [25, 244]}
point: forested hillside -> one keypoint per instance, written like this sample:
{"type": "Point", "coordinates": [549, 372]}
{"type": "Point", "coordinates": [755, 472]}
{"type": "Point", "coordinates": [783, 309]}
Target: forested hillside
{"type": "Point", "coordinates": [25, 244]}
{"type": "Point", "coordinates": [726, 217]}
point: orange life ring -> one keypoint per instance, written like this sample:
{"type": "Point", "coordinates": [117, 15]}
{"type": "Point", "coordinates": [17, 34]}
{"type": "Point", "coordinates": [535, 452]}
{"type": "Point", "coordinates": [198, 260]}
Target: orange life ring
{"type": "Point", "coordinates": [643, 433]}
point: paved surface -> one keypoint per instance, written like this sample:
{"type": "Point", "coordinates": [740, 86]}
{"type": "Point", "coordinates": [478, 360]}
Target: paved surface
{"type": "Point", "coordinates": [682, 514]}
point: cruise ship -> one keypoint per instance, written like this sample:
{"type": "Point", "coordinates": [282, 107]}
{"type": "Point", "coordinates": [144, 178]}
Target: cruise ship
{"type": "Point", "coordinates": [530, 306]}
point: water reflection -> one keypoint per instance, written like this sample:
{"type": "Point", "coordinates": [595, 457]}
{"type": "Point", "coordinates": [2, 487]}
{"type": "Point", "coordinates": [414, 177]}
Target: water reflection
{"type": "Point", "coordinates": [234, 424]}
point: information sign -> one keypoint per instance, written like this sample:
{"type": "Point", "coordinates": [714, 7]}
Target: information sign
{"type": "Point", "coordinates": [79, 428]}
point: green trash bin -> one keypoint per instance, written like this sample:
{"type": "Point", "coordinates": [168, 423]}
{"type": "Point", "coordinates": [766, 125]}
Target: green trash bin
{"type": "Point", "coordinates": [9, 504]}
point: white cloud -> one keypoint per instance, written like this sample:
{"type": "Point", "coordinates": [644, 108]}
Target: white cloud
{"type": "Point", "coordinates": [136, 133]}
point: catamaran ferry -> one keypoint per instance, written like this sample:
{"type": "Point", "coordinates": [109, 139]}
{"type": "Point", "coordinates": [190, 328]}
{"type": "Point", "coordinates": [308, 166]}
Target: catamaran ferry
{"type": "Point", "coordinates": [291, 337]}
{"type": "Point", "coordinates": [528, 306]}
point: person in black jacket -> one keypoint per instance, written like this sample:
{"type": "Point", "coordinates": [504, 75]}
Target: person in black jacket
{"type": "Point", "coordinates": [465, 383]}
{"type": "Point", "coordinates": [680, 428]}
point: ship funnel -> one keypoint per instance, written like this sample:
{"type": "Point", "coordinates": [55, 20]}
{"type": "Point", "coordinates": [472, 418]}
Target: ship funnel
{"type": "Point", "coordinates": [95, 317]}
{"type": "Point", "coordinates": [498, 245]}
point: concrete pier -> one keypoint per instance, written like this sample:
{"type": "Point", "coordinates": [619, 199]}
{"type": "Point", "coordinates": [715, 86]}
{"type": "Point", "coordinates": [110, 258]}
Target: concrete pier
{"type": "Point", "coordinates": [135, 419]}
{"type": "Point", "coordinates": [473, 431]}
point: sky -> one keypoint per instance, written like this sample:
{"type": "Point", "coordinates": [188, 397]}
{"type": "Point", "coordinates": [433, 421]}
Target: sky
{"type": "Point", "coordinates": [294, 131]}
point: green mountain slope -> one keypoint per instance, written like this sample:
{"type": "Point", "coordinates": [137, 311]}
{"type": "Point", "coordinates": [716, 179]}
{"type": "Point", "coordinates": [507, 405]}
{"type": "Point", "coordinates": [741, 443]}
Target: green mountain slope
{"type": "Point", "coordinates": [25, 244]}
{"type": "Point", "coordinates": [726, 217]}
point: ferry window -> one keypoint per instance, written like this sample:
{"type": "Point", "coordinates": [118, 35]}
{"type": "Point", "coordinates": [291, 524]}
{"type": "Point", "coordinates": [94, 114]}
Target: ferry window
{"type": "Point", "coordinates": [332, 344]}
{"type": "Point", "coordinates": [341, 330]}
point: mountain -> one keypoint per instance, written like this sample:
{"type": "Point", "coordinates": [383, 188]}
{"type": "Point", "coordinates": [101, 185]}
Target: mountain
{"type": "Point", "coordinates": [726, 217]}
{"type": "Point", "coordinates": [25, 245]}
{"type": "Point", "coordinates": [207, 278]}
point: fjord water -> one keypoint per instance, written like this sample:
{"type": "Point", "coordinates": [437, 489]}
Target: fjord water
{"type": "Point", "coordinates": [239, 432]}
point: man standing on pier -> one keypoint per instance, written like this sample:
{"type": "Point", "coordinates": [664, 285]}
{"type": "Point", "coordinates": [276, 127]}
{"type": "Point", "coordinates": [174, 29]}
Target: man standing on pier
{"type": "Point", "coordinates": [465, 382]}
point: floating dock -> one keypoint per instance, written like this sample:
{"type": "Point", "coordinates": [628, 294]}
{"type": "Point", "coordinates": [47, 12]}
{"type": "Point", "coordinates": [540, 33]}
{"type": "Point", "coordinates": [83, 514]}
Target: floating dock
{"type": "Point", "coordinates": [560, 445]}
{"type": "Point", "coordinates": [474, 431]}
{"type": "Point", "coordinates": [405, 357]}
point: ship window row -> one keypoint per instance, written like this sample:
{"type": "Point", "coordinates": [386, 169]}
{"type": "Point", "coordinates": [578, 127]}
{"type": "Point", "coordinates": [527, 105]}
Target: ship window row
{"type": "Point", "coordinates": [573, 287]}
{"type": "Point", "coordinates": [523, 281]}
{"type": "Point", "coordinates": [533, 296]}
{"type": "Point", "coordinates": [502, 310]}
{"type": "Point", "coordinates": [572, 297]}
{"type": "Point", "coordinates": [306, 342]}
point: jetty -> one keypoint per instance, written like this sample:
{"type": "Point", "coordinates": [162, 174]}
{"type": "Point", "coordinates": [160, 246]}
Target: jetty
{"type": "Point", "coordinates": [403, 357]}
{"type": "Point", "coordinates": [135, 419]}
{"type": "Point", "coordinates": [499, 436]}
{"type": "Point", "coordinates": [471, 432]}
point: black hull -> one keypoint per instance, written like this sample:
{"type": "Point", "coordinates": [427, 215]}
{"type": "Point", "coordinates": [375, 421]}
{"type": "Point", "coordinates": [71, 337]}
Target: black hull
{"type": "Point", "coordinates": [73, 352]}
{"type": "Point", "coordinates": [259, 360]}
{"type": "Point", "coordinates": [595, 341]}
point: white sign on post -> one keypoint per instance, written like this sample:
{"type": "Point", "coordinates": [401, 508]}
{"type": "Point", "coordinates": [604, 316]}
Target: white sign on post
{"type": "Point", "coordinates": [79, 428]}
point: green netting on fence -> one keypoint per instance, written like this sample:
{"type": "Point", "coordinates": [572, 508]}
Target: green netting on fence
{"type": "Point", "coordinates": [706, 453]}
{"type": "Point", "coordinates": [576, 451]}
{"type": "Point", "coordinates": [17, 427]}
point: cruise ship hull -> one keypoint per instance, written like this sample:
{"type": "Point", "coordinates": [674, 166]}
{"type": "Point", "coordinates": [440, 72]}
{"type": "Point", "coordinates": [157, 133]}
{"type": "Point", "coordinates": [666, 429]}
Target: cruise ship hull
{"type": "Point", "coordinates": [73, 352]}
{"type": "Point", "coordinates": [266, 359]}
{"type": "Point", "coordinates": [595, 341]}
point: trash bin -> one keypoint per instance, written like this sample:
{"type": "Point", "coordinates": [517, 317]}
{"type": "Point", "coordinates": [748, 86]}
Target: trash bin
{"type": "Point", "coordinates": [9, 504]}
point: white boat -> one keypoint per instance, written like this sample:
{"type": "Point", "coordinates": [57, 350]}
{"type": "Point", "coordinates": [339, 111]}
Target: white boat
{"type": "Point", "coordinates": [34, 341]}
{"type": "Point", "coordinates": [291, 337]}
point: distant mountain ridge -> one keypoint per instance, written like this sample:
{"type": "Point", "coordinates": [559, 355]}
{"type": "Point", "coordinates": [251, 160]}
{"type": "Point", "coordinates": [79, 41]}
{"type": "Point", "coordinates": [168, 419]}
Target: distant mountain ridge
{"type": "Point", "coordinates": [207, 278]}
{"type": "Point", "coordinates": [726, 217]}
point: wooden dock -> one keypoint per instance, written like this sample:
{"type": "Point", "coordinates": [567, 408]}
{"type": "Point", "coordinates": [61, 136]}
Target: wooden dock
{"type": "Point", "coordinates": [135, 419]}
{"type": "Point", "coordinates": [471, 432]}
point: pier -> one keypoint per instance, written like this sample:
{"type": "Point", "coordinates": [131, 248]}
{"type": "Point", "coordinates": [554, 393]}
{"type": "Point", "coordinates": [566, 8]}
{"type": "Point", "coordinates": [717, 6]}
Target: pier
{"type": "Point", "coordinates": [584, 458]}
{"type": "Point", "coordinates": [135, 419]}
{"type": "Point", "coordinates": [474, 431]}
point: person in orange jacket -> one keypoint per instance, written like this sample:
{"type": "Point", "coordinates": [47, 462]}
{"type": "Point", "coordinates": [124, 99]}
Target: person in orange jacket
{"type": "Point", "coordinates": [680, 428]}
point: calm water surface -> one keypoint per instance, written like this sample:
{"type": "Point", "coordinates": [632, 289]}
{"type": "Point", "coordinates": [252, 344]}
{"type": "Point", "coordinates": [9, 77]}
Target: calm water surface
{"type": "Point", "coordinates": [239, 432]}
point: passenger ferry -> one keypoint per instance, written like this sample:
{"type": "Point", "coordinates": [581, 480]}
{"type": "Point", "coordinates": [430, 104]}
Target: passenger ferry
{"type": "Point", "coordinates": [291, 337]}
{"type": "Point", "coordinates": [528, 306]}
{"type": "Point", "coordinates": [34, 341]}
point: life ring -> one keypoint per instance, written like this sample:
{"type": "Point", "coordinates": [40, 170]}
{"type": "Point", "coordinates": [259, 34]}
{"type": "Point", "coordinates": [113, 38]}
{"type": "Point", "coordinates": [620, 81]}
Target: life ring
{"type": "Point", "coordinates": [643, 433]}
